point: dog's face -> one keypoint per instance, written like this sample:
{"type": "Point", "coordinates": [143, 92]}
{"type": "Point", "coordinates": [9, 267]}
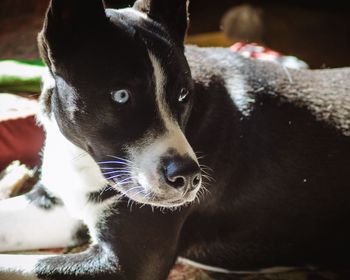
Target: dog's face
{"type": "Point", "coordinates": [123, 93]}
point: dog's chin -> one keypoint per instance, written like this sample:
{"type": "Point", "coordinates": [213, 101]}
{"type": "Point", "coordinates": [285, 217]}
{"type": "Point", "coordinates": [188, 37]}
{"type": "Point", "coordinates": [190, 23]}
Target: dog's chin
{"type": "Point", "coordinates": [169, 203]}
{"type": "Point", "coordinates": [138, 194]}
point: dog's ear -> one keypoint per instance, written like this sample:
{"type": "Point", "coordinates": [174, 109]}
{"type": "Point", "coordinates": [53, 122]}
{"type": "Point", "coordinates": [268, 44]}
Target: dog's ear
{"type": "Point", "coordinates": [67, 24]}
{"type": "Point", "coordinates": [173, 14]}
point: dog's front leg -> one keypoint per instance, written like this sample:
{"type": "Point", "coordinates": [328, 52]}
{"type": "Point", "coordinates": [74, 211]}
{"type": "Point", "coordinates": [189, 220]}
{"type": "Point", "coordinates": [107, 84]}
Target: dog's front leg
{"type": "Point", "coordinates": [98, 263]}
{"type": "Point", "coordinates": [133, 245]}
{"type": "Point", "coordinates": [146, 240]}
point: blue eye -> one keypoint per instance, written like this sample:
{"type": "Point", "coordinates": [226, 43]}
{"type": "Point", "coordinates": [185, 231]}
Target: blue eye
{"type": "Point", "coordinates": [121, 96]}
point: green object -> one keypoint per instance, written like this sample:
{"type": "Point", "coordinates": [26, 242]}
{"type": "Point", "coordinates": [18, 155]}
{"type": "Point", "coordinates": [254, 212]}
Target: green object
{"type": "Point", "coordinates": [21, 76]}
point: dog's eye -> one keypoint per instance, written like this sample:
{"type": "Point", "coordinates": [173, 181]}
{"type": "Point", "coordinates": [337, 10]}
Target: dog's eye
{"type": "Point", "coordinates": [121, 96]}
{"type": "Point", "coordinates": [184, 95]}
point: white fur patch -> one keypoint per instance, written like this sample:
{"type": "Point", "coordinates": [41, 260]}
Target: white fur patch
{"type": "Point", "coordinates": [132, 11]}
{"type": "Point", "coordinates": [238, 91]}
{"type": "Point", "coordinates": [96, 214]}
{"type": "Point", "coordinates": [174, 136]}
{"type": "Point", "coordinates": [71, 174]}
{"type": "Point", "coordinates": [48, 84]}
{"type": "Point", "coordinates": [25, 226]}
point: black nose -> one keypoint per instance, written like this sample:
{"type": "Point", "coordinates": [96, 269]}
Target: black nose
{"type": "Point", "coordinates": [181, 172]}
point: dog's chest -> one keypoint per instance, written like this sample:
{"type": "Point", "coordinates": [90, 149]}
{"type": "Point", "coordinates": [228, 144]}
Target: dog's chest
{"type": "Point", "coordinates": [72, 175]}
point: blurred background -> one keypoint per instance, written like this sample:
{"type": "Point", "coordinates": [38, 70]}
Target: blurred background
{"type": "Point", "coordinates": [317, 32]}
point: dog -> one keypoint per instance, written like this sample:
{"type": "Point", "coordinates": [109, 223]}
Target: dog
{"type": "Point", "coordinates": [155, 150]}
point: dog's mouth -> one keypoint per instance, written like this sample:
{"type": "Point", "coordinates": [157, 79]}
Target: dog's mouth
{"type": "Point", "coordinates": [169, 181]}
{"type": "Point", "coordinates": [168, 198]}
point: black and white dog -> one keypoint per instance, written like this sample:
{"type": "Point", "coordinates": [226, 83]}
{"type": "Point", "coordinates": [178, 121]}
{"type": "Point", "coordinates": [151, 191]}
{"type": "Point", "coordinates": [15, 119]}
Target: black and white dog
{"type": "Point", "coordinates": [131, 115]}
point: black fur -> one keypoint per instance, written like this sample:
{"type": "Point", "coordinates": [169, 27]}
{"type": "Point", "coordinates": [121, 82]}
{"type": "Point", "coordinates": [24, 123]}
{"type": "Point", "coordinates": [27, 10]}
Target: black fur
{"type": "Point", "coordinates": [280, 195]}
{"type": "Point", "coordinates": [41, 198]}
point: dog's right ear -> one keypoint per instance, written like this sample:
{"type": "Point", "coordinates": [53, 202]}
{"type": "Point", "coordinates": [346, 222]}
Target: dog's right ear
{"type": "Point", "coordinates": [172, 14]}
{"type": "Point", "coordinates": [68, 23]}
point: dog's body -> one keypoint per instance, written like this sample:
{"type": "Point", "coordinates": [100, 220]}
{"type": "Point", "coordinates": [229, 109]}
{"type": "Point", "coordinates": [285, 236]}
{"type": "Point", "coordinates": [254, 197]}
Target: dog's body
{"type": "Point", "coordinates": [275, 141]}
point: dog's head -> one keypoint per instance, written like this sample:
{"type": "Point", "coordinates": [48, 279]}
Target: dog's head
{"type": "Point", "coordinates": [123, 93]}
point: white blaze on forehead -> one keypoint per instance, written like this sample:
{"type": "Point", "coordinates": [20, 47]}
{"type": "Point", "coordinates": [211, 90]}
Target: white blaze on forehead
{"type": "Point", "coordinates": [148, 152]}
{"type": "Point", "coordinates": [160, 80]}
{"type": "Point", "coordinates": [174, 137]}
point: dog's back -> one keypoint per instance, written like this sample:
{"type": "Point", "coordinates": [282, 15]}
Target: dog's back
{"type": "Point", "coordinates": [278, 141]}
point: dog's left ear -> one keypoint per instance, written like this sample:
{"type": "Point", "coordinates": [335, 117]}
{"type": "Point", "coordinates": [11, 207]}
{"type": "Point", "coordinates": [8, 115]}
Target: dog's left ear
{"type": "Point", "coordinates": [173, 14]}
{"type": "Point", "coordinates": [68, 25]}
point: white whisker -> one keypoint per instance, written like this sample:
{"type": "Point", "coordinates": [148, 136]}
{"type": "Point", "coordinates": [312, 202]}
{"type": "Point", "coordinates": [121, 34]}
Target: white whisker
{"type": "Point", "coordinates": [208, 178]}
{"type": "Point", "coordinates": [206, 167]}
{"type": "Point", "coordinates": [114, 168]}
{"type": "Point", "coordinates": [123, 172]}
{"type": "Point", "coordinates": [131, 189]}
{"type": "Point", "coordinates": [112, 162]}
{"type": "Point", "coordinates": [116, 176]}
{"type": "Point", "coordinates": [124, 182]}
{"type": "Point", "coordinates": [120, 158]}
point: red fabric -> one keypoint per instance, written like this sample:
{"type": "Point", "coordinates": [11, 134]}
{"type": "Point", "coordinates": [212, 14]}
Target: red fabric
{"type": "Point", "coordinates": [254, 50]}
{"type": "Point", "coordinates": [20, 139]}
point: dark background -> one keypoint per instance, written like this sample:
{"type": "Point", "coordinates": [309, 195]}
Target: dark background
{"type": "Point", "coordinates": [316, 31]}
